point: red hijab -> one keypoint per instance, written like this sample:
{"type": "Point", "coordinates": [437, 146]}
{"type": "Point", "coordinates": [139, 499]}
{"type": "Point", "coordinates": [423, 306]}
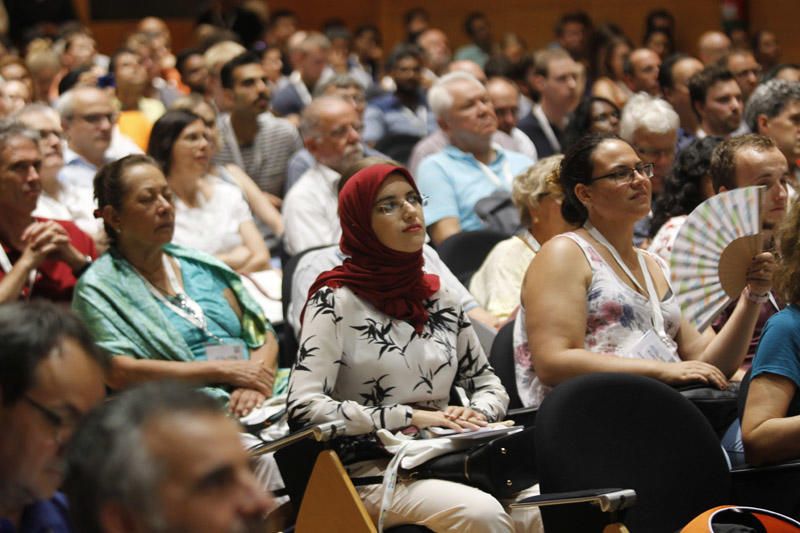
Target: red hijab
{"type": "Point", "coordinates": [393, 282]}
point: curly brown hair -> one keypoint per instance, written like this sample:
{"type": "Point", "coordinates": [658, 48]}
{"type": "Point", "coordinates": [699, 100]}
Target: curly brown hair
{"type": "Point", "coordinates": [787, 276]}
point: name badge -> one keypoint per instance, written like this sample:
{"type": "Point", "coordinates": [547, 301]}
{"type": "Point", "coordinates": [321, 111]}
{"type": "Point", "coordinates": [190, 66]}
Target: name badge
{"type": "Point", "coordinates": [224, 352]}
{"type": "Point", "coordinates": [651, 346]}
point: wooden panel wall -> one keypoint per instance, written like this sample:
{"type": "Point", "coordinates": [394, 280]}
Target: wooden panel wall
{"type": "Point", "coordinates": [532, 19]}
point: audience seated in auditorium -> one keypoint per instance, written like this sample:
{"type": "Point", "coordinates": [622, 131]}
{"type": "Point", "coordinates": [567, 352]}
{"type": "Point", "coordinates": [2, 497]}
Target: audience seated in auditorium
{"type": "Point", "coordinates": [585, 307]}
{"type": "Point", "coordinates": [769, 422]}
{"type": "Point", "coordinates": [404, 111]}
{"type": "Point", "coordinates": [673, 78]}
{"type": "Point", "coordinates": [774, 110]}
{"type": "Point", "coordinates": [767, 49]}
{"type": "Point", "coordinates": [211, 214]}
{"type": "Point", "coordinates": [555, 78]}
{"type": "Point", "coordinates": [51, 375]}
{"type": "Point", "coordinates": [314, 262]}
{"type": "Point", "coordinates": [162, 457]}
{"type": "Point", "coordinates": [650, 125]}
{"type": "Point", "coordinates": [712, 46]}
{"type": "Point", "coordinates": [470, 168]}
{"type": "Point", "coordinates": [595, 114]}
{"type": "Point", "coordinates": [88, 117]}
{"type": "Point", "coordinates": [436, 54]}
{"type": "Point", "coordinates": [54, 201]}
{"type": "Point", "coordinates": [40, 258]}
{"type": "Point", "coordinates": [215, 58]}
{"type": "Point", "coordinates": [382, 287]}
{"type": "Point", "coordinates": [168, 312]}
{"type": "Point", "coordinates": [253, 139]}
{"type": "Point", "coordinates": [343, 86]}
{"type": "Point", "coordinates": [748, 161]}
{"type": "Point", "coordinates": [504, 96]}
{"type": "Point", "coordinates": [310, 70]}
{"type": "Point", "coordinates": [687, 185]}
{"type": "Point", "coordinates": [659, 41]}
{"type": "Point", "coordinates": [267, 216]}
{"type": "Point", "coordinates": [641, 71]}
{"type": "Point", "coordinates": [744, 68]}
{"type": "Point", "coordinates": [136, 112]}
{"type": "Point", "coordinates": [612, 55]}
{"type": "Point", "coordinates": [193, 70]}
{"type": "Point", "coordinates": [330, 127]}
{"type": "Point", "coordinates": [573, 33]}
{"type": "Point", "coordinates": [717, 101]}
{"type": "Point", "coordinates": [479, 32]}
{"type": "Point", "coordinates": [537, 195]}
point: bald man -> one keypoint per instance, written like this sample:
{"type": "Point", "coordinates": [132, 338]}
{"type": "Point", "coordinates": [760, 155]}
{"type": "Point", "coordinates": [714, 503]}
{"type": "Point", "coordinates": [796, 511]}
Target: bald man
{"type": "Point", "coordinates": [504, 96]}
{"type": "Point", "coordinates": [712, 46]}
{"type": "Point", "coordinates": [641, 71]}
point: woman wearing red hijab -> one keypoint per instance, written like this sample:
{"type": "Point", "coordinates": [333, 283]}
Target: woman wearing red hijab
{"type": "Point", "coordinates": [381, 345]}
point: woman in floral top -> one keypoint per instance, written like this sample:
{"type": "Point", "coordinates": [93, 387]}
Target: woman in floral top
{"type": "Point", "coordinates": [382, 343]}
{"type": "Point", "coordinates": [594, 303]}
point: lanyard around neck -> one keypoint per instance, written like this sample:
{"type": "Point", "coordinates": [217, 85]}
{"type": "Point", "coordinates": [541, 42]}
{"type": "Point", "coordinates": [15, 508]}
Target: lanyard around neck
{"type": "Point", "coordinates": [182, 305]}
{"type": "Point", "coordinates": [504, 183]}
{"type": "Point", "coordinates": [650, 290]}
{"type": "Point", "coordinates": [5, 263]}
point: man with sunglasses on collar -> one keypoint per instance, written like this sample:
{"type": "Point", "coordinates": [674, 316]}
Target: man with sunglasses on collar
{"type": "Point", "coordinates": [51, 375]}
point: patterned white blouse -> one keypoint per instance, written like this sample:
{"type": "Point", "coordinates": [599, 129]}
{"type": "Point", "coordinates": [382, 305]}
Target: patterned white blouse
{"type": "Point", "coordinates": [360, 365]}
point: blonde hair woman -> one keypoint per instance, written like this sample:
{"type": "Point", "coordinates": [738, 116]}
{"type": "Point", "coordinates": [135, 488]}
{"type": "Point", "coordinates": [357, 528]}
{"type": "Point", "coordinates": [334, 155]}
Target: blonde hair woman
{"type": "Point", "coordinates": [537, 195]}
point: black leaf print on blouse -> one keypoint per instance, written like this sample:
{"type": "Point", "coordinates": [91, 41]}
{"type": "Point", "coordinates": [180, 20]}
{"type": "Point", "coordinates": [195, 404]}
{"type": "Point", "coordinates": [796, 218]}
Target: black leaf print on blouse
{"type": "Point", "coordinates": [376, 333]}
{"type": "Point", "coordinates": [463, 322]}
{"type": "Point", "coordinates": [425, 378]}
{"type": "Point", "coordinates": [323, 301]}
{"type": "Point", "coordinates": [446, 364]}
{"type": "Point", "coordinates": [304, 353]}
{"type": "Point", "coordinates": [468, 362]}
{"type": "Point", "coordinates": [378, 394]}
{"type": "Point", "coordinates": [442, 320]}
{"type": "Point", "coordinates": [327, 390]}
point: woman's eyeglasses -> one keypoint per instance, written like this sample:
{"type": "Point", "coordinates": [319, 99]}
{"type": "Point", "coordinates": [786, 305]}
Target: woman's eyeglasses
{"type": "Point", "coordinates": [392, 205]}
{"type": "Point", "coordinates": [626, 175]}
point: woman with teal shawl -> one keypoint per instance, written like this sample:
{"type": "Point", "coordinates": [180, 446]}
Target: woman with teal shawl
{"type": "Point", "coordinates": [167, 312]}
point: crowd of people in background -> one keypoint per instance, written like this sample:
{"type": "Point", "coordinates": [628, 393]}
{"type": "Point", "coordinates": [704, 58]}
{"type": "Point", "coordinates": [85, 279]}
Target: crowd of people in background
{"type": "Point", "coordinates": [163, 193]}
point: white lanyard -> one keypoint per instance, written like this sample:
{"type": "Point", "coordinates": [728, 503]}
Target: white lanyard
{"type": "Point", "coordinates": [658, 317]}
{"type": "Point", "coordinates": [528, 238]}
{"type": "Point", "coordinates": [5, 262]}
{"type": "Point", "coordinates": [186, 307]}
{"type": "Point", "coordinates": [507, 177]}
{"type": "Point", "coordinates": [541, 118]}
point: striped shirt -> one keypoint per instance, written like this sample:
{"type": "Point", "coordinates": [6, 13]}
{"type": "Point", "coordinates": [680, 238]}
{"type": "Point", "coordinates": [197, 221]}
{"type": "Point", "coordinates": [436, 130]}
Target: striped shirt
{"type": "Point", "coordinates": [267, 158]}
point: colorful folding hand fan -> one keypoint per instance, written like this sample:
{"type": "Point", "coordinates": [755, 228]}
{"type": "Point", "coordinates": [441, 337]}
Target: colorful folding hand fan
{"type": "Point", "coordinates": [713, 251]}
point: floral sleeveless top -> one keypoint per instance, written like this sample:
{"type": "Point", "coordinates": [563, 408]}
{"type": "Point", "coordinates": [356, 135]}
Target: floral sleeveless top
{"type": "Point", "coordinates": [616, 319]}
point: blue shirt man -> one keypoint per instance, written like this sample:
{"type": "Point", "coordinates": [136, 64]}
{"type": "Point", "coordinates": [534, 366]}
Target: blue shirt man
{"type": "Point", "coordinates": [470, 167]}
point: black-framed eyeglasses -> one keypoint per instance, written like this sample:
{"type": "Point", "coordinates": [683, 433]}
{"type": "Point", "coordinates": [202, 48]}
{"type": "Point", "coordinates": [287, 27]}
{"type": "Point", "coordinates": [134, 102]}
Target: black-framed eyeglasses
{"type": "Point", "coordinates": [627, 174]}
{"type": "Point", "coordinates": [58, 423]}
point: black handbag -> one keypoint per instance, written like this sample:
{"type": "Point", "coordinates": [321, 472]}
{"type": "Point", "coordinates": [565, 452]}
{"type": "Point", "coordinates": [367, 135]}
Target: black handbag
{"type": "Point", "coordinates": [502, 467]}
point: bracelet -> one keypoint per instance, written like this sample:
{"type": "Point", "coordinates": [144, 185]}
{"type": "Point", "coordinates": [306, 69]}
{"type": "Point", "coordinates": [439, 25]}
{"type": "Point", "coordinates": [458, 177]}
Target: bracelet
{"type": "Point", "coordinates": [756, 298]}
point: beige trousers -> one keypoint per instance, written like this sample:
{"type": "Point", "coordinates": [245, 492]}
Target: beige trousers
{"type": "Point", "coordinates": [444, 506]}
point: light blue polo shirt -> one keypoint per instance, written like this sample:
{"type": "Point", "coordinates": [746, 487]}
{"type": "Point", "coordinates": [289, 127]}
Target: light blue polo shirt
{"type": "Point", "coordinates": [454, 182]}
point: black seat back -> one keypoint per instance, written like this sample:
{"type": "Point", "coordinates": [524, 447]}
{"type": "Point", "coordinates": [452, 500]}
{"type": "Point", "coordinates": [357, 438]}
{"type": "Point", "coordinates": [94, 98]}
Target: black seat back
{"type": "Point", "coordinates": [628, 431]}
{"type": "Point", "coordinates": [502, 360]}
{"type": "Point", "coordinates": [464, 252]}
